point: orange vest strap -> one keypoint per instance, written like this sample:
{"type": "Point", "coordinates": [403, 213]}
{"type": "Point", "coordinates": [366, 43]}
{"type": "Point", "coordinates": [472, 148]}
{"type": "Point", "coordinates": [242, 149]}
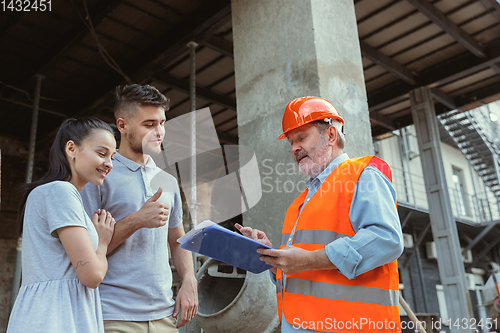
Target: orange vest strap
{"type": "Point", "coordinates": [382, 166]}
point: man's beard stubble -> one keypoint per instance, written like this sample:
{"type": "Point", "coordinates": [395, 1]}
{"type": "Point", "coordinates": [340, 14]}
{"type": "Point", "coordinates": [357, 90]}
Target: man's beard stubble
{"type": "Point", "coordinates": [315, 167]}
{"type": "Point", "coordinates": [134, 144]}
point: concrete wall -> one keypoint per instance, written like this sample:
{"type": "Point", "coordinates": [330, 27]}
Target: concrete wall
{"type": "Point", "coordinates": [284, 49]}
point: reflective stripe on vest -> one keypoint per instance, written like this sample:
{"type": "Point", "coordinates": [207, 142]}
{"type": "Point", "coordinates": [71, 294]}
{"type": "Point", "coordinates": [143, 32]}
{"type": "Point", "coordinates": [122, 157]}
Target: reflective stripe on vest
{"type": "Point", "coordinates": [351, 293]}
{"type": "Point", "coordinates": [310, 236]}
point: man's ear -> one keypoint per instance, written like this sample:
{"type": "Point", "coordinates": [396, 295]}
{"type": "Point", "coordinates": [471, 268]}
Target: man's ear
{"type": "Point", "coordinates": [70, 149]}
{"type": "Point", "coordinates": [332, 135]}
{"type": "Point", "coordinates": [121, 124]}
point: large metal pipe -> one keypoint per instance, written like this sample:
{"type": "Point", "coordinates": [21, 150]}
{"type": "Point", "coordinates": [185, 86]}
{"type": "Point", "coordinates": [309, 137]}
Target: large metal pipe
{"type": "Point", "coordinates": [405, 146]}
{"type": "Point", "coordinates": [400, 145]}
{"type": "Point", "coordinates": [34, 126]}
{"type": "Point", "coordinates": [419, 265]}
{"type": "Point", "coordinates": [192, 98]}
{"type": "Point", "coordinates": [483, 314]}
{"type": "Point", "coordinates": [29, 175]}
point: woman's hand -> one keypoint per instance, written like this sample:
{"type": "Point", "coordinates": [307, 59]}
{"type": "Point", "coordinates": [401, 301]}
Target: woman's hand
{"type": "Point", "coordinates": [105, 225]}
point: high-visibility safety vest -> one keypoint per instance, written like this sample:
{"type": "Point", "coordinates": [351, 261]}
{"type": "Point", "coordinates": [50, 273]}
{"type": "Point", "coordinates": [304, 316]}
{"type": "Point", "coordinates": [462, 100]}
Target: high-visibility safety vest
{"type": "Point", "coordinates": [325, 300]}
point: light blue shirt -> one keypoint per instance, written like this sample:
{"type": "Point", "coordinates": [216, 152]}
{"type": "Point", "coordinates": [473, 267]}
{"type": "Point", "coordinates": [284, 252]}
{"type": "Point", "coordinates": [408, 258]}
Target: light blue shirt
{"type": "Point", "coordinates": [374, 218]}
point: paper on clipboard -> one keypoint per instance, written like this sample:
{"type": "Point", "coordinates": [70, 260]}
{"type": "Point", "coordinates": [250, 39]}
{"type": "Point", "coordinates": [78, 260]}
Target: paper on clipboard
{"type": "Point", "coordinates": [210, 239]}
{"type": "Point", "coordinates": [200, 227]}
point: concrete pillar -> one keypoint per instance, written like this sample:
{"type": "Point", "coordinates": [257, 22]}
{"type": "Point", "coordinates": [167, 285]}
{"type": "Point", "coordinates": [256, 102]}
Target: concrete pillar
{"type": "Point", "coordinates": [444, 229]}
{"type": "Point", "coordinates": [285, 49]}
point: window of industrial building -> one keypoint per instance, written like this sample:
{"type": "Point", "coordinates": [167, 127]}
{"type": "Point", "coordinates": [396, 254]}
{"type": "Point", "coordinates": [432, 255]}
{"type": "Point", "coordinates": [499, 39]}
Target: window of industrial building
{"type": "Point", "coordinates": [459, 193]}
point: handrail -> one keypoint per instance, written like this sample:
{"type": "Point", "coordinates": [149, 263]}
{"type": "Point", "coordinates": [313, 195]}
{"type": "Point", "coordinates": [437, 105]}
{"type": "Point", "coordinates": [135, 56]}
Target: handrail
{"type": "Point", "coordinates": [480, 208]}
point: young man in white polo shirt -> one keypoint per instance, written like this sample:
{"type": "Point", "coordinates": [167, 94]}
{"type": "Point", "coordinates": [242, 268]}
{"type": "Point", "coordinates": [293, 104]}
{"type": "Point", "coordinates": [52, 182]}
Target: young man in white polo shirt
{"type": "Point", "coordinates": [136, 293]}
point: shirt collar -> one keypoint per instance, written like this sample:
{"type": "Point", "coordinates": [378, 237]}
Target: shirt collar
{"type": "Point", "coordinates": [127, 162]}
{"type": "Point", "coordinates": [150, 164]}
{"type": "Point", "coordinates": [333, 164]}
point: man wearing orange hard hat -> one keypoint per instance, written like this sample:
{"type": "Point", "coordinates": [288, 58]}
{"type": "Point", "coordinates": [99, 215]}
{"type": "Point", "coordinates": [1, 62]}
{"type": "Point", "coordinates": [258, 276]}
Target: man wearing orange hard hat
{"type": "Point", "coordinates": [336, 268]}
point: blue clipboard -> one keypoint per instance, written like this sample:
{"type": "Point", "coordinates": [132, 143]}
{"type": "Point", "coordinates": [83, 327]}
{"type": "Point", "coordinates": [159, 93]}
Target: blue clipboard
{"type": "Point", "coordinates": [228, 246]}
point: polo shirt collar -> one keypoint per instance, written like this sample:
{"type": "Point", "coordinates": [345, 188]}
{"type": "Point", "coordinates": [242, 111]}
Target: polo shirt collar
{"type": "Point", "coordinates": [150, 164]}
{"type": "Point", "coordinates": [133, 166]}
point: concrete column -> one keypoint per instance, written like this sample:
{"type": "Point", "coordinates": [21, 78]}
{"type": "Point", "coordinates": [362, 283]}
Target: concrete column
{"type": "Point", "coordinates": [285, 49]}
{"type": "Point", "coordinates": [444, 229]}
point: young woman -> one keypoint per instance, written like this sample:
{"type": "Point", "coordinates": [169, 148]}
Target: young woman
{"type": "Point", "coordinates": [64, 252]}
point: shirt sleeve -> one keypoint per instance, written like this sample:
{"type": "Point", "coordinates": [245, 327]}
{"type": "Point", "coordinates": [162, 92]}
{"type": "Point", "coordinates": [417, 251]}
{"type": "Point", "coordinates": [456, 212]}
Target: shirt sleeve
{"type": "Point", "coordinates": [91, 197]}
{"type": "Point", "coordinates": [63, 207]}
{"type": "Point", "coordinates": [176, 212]}
{"type": "Point", "coordinates": [374, 217]}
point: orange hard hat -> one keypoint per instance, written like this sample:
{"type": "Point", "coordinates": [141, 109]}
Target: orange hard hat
{"type": "Point", "coordinates": [304, 110]}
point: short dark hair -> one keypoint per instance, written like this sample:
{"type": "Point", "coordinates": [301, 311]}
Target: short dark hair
{"type": "Point", "coordinates": [130, 96]}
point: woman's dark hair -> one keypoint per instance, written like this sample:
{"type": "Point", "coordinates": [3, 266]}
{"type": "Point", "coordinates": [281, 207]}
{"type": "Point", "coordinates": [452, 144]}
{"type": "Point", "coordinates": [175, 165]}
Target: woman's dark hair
{"type": "Point", "coordinates": [76, 130]}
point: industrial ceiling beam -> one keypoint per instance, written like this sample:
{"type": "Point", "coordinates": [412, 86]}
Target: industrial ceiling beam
{"type": "Point", "coordinates": [387, 63]}
{"type": "Point", "coordinates": [220, 45]}
{"type": "Point", "coordinates": [227, 138]}
{"type": "Point", "coordinates": [418, 241]}
{"type": "Point", "coordinates": [495, 4]}
{"type": "Point", "coordinates": [481, 96]}
{"type": "Point", "coordinates": [440, 74]}
{"type": "Point", "coordinates": [383, 121]}
{"type": "Point", "coordinates": [496, 67]}
{"type": "Point", "coordinates": [226, 48]}
{"type": "Point", "coordinates": [30, 106]}
{"type": "Point", "coordinates": [204, 20]}
{"type": "Point", "coordinates": [406, 219]}
{"type": "Point", "coordinates": [443, 98]}
{"type": "Point", "coordinates": [479, 237]}
{"type": "Point", "coordinates": [98, 13]}
{"type": "Point", "coordinates": [468, 240]}
{"type": "Point", "coordinates": [436, 16]}
{"type": "Point", "coordinates": [470, 100]}
{"type": "Point", "coordinates": [485, 251]}
{"type": "Point", "coordinates": [183, 85]}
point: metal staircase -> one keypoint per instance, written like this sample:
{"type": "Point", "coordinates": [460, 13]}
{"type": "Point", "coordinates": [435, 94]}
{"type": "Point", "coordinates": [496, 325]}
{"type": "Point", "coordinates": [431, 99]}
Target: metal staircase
{"type": "Point", "coordinates": [477, 138]}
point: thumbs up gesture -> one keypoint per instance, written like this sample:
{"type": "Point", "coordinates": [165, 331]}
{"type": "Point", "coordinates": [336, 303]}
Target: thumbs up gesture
{"type": "Point", "coordinates": [153, 214]}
